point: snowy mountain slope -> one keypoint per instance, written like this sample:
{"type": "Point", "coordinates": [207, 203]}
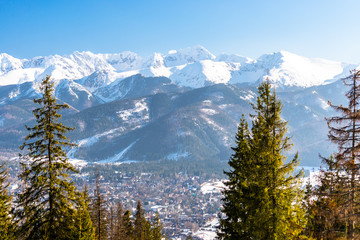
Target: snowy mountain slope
{"type": "Point", "coordinates": [9, 63]}
{"type": "Point", "coordinates": [299, 71]}
{"type": "Point", "coordinates": [136, 86]}
{"type": "Point", "coordinates": [74, 66]}
{"type": "Point", "coordinates": [187, 55]}
{"type": "Point", "coordinates": [162, 121]}
{"type": "Point", "coordinates": [191, 67]}
{"type": "Point", "coordinates": [284, 69]}
{"type": "Point", "coordinates": [203, 73]}
{"type": "Point", "coordinates": [76, 95]}
{"type": "Point", "coordinates": [181, 105]}
{"type": "Point", "coordinates": [200, 124]}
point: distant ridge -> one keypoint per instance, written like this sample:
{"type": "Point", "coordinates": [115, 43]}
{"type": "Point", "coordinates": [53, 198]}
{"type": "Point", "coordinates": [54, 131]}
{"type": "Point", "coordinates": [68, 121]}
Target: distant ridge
{"type": "Point", "coordinates": [184, 104]}
{"type": "Point", "coordinates": [192, 67]}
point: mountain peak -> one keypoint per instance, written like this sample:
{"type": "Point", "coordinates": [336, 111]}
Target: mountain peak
{"type": "Point", "coordinates": [9, 63]}
{"type": "Point", "coordinates": [288, 69]}
{"type": "Point", "coordinates": [187, 55]}
{"type": "Point", "coordinates": [192, 67]}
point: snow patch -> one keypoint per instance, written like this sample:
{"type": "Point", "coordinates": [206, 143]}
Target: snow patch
{"type": "Point", "coordinates": [247, 97]}
{"type": "Point", "coordinates": [118, 156]}
{"type": "Point", "coordinates": [208, 111]}
{"type": "Point", "coordinates": [208, 232]}
{"type": "Point", "coordinates": [88, 142]}
{"type": "Point", "coordinates": [213, 123]}
{"type": "Point", "coordinates": [140, 109]}
{"type": "Point", "coordinates": [212, 187]}
{"type": "Point", "coordinates": [78, 162]}
{"type": "Point", "coordinates": [177, 156]}
{"type": "Point", "coordinates": [324, 104]}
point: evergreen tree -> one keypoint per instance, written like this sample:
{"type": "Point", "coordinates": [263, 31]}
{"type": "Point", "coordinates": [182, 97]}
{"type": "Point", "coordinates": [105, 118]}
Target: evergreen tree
{"type": "Point", "coordinates": [263, 196]}
{"type": "Point", "coordinates": [147, 231]}
{"type": "Point", "coordinates": [140, 222]}
{"type": "Point", "coordinates": [119, 224]}
{"type": "Point", "coordinates": [6, 223]}
{"type": "Point", "coordinates": [112, 223]}
{"type": "Point", "coordinates": [324, 204]}
{"type": "Point", "coordinates": [189, 237]}
{"type": "Point", "coordinates": [83, 226]}
{"type": "Point", "coordinates": [157, 227]}
{"type": "Point", "coordinates": [128, 226]}
{"type": "Point", "coordinates": [99, 212]}
{"type": "Point", "coordinates": [48, 199]}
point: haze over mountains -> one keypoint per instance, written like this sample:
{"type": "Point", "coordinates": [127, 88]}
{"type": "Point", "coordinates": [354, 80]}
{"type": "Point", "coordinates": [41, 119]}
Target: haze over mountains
{"type": "Point", "coordinates": [185, 104]}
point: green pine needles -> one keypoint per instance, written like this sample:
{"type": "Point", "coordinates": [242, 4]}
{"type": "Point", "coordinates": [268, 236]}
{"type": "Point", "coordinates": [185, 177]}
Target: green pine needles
{"type": "Point", "coordinates": [6, 222]}
{"type": "Point", "coordinates": [263, 197]}
{"type": "Point", "coordinates": [47, 206]}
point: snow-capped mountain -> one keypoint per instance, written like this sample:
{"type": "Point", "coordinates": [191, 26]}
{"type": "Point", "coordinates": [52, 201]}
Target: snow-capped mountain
{"type": "Point", "coordinates": [9, 63]}
{"type": "Point", "coordinates": [184, 104]}
{"type": "Point", "coordinates": [191, 67]}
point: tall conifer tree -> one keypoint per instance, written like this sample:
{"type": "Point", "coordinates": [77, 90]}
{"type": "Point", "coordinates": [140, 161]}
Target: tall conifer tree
{"type": "Point", "coordinates": [112, 223]}
{"type": "Point", "coordinates": [128, 226]}
{"type": "Point", "coordinates": [263, 198]}
{"type": "Point", "coordinates": [83, 227]}
{"type": "Point", "coordinates": [99, 212]}
{"type": "Point", "coordinates": [338, 194]}
{"type": "Point", "coordinates": [6, 223]}
{"type": "Point", "coordinates": [324, 203]}
{"type": "Point", "coordinates": [48, 198]}
{"type": "Point", "coordinates": [157, 227]}
{"type": "Point", "coordinates": [140, 222]}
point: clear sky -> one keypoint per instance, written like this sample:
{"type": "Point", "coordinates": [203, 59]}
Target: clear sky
{"type": "Point", "coordinates": [312, 28]}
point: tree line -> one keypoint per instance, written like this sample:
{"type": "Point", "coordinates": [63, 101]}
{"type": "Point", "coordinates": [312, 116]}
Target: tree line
{"type": "Point", "coordinates": [49, 206]}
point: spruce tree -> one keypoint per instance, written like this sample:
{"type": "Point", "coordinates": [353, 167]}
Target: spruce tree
{"type": "Point", "coordinates": [128, 226]}
{"type": "Point", "coordinates": [6, 223]}
{"type": "Point", "coordinates": [119, 224]}
{"type": "Point", "coordinates": [112, 223]}
{"type": "Point", "coordinates": [83, 227]}
{"type": "Point", "coordinates": [324, 204]}
{"type": "Point", "coordinates": [99, 212]}
{"type": "Point", "coordinates": [156, 229]}
{"type": "Point", "coordinates": [140, 222]}
{"type": "Point", "coordinates": [263, 197]}
{"type": "Point", "coordinates": [48, 199]}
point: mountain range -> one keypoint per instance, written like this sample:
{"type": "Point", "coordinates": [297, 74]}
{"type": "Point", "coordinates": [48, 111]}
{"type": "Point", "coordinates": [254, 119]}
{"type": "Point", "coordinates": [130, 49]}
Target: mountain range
{"type": "Point", "coordinates": [185, 104]}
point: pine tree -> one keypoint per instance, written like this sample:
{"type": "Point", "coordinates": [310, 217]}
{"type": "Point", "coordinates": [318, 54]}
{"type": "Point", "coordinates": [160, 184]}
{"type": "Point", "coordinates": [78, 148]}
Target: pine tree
{"type": "Point", "coordinates": [239, 187]}
{"type": "Point", "coordinates": [147, 231]}
{"type": "Point", "coordinates": [99, 212]}
{"type": "Point", "coordinates": [263, 196]}
{"type": "Point", "coordinates": [128, 226]}
{"type": "Point", "coordinates": [48, 198]}
{"type": "Point", "coordinates": [189, 237]}
{"type": "Point", "coordinates": [6, 223]}
{"type": "Point", "coordinates": [119, 223]}
{"type": "Point", "coordinates": [156, 229]}
{"type": "Point", "coordinates": [325, 211]}
{"type": "Point", "coordinates": [83, 226]}
{"type": "Point", "coordinates": [139, 226]}
{"type": "Point", "coordinates": [111, 223]}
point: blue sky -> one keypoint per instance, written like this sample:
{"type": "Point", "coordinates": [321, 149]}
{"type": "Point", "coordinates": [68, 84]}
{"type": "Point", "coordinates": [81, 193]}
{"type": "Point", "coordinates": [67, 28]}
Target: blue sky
{"type": "Point", "coordinates": [312, 28]}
